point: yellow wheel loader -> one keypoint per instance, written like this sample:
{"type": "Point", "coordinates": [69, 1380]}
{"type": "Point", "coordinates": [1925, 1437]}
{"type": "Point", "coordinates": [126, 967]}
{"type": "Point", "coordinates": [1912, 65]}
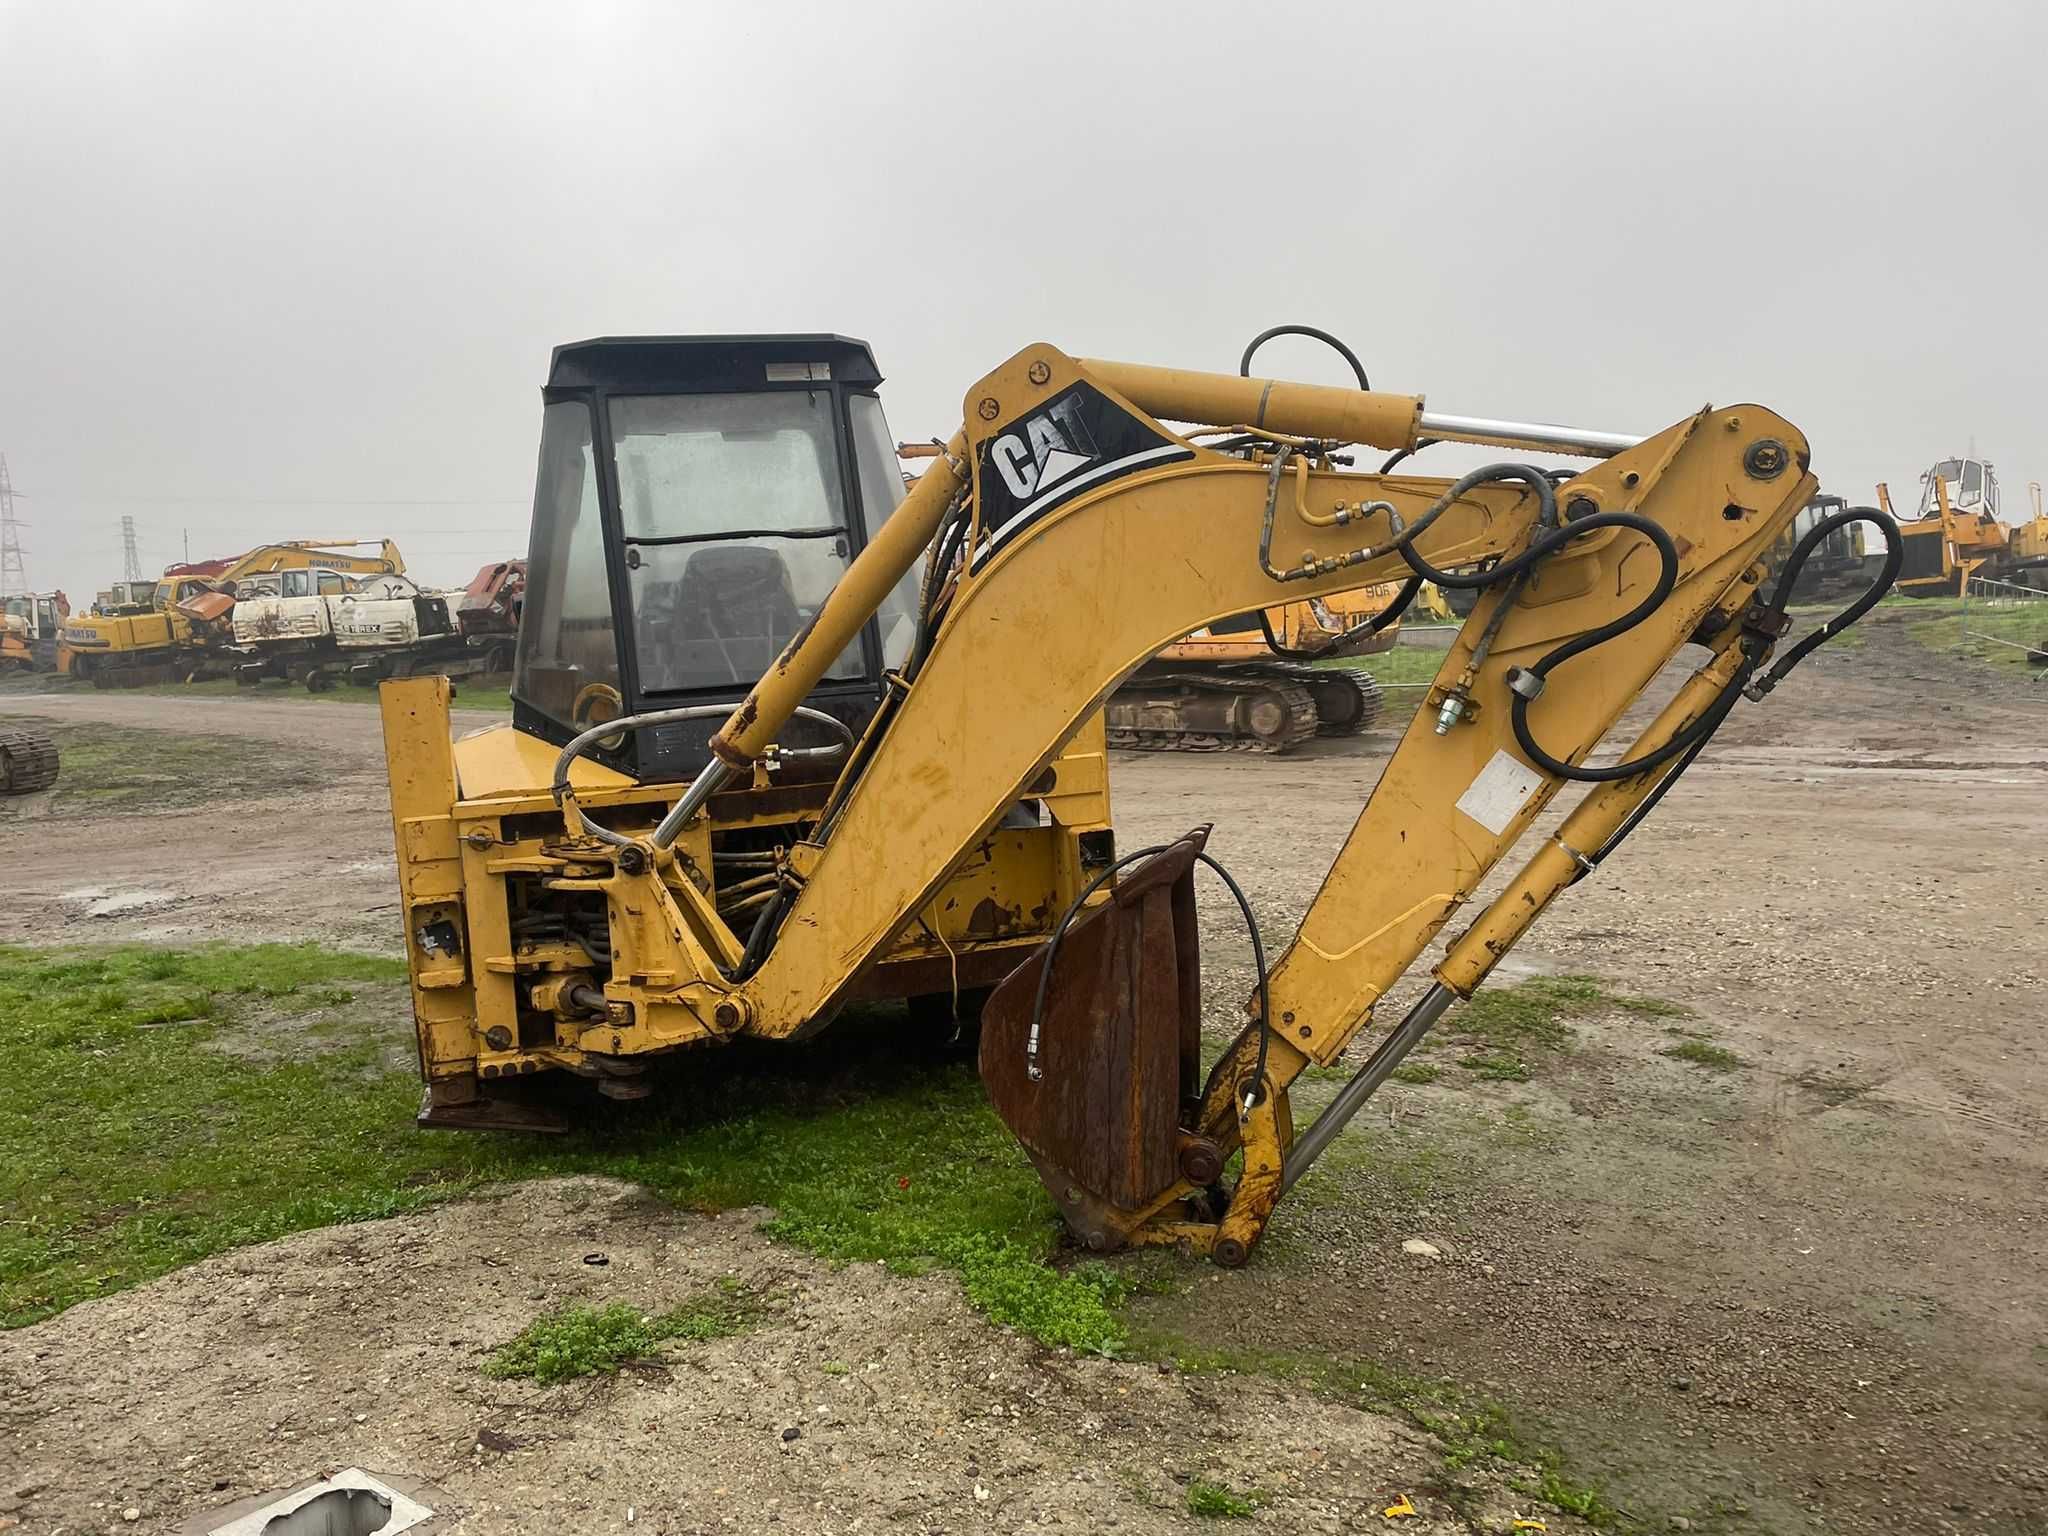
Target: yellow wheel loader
{"type": "Point", "coordinates": [780, 743]}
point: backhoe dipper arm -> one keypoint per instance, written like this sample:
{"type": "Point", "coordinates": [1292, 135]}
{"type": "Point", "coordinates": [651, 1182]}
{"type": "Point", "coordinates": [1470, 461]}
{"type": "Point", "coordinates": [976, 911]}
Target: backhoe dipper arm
{"type": "Point", "coordinates": [1103, 536]}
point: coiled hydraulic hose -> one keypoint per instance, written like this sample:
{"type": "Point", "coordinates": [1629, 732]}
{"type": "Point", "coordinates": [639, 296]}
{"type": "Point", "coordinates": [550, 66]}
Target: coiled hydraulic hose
{"type": "Point", "coordinates": [1741, 683]}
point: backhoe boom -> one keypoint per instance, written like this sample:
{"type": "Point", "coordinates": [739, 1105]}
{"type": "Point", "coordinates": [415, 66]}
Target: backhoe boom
{"type": "Point", "coordinates": [959, 826]}
{"type": "Point", "coordinates": [1149, 535]}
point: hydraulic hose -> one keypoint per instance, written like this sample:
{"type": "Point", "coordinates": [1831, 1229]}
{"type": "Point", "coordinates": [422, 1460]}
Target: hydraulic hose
{"type": "Point", "coordinates": [1402, 537]}
{"type": "Point", "coordinates": [1244, 364]}
{"type": "Point", "coordinates": [1895, 555]}
{"type": "Point", "coordinates": [1394, 458]}
{"type": "Point", "coordinates": [1578, 645]}
{"type": "Point", "coordinates": [1740, 684]}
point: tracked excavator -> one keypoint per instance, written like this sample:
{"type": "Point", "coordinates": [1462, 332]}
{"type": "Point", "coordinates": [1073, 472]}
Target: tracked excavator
{"type": "Point", "coordinates": [28, 760]}
{"type": "Point", "coordinates": [1250, 683]}
{"type": "Point", "coordinates": [780, 743]}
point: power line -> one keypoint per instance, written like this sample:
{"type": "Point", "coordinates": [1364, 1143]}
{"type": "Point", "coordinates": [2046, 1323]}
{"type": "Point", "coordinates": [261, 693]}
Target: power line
{"type": "Point", "coordinates": [282, 501]}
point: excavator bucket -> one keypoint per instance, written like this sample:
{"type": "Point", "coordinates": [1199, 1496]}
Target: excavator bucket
{"type": "Point", "coordinates": [1097, 1099]}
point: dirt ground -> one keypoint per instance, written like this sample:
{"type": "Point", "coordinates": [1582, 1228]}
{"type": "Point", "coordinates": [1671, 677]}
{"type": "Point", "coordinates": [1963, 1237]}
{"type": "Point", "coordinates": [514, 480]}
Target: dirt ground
{"type": "Point", "coordinates": [363, 1346]}
{"type": "Point", "coordinates": [1803, 1293]}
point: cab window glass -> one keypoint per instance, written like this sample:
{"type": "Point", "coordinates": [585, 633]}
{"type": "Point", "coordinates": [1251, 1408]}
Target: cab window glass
{"type": "Point", "coordinates": [735, 524]}
{"type": "Point", "coordinates": [565, 638]}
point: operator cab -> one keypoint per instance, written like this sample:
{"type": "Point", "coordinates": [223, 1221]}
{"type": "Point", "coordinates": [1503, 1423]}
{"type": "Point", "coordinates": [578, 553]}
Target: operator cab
{"type": "Point", "coordinates": [697, 499]}
{"type": "Point", "coordinates": [1972, 487]}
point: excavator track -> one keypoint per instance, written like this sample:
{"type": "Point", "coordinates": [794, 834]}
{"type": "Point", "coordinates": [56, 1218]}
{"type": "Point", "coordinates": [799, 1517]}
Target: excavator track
{"type": "Point", "coordinates": [28, 761]}
{"type": "Point", "coordinates": [1211, 712]}
{"type": "Point", "coordinates": [1259, 706]}
{"type": "Point", "coordinates": [1348, 699]}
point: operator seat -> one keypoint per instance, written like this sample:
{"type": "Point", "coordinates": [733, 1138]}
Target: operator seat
{"type": "Point", "coordinates": [736, 611]}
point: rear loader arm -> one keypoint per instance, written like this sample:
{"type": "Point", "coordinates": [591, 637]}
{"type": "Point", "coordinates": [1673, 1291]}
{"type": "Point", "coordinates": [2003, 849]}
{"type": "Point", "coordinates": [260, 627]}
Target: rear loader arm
{"type": "Point", "coordinates": [1147, 535]}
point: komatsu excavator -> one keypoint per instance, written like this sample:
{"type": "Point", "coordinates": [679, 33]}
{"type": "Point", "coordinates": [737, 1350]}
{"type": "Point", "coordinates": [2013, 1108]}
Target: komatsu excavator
{"type": "Point", "coordinates": [780, 743]}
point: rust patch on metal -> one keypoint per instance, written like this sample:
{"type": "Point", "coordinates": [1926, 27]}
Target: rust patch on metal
{"type": "Point", "coordinates": [990, 919]}
{"type": "Point", "coordinates": [789, 652]}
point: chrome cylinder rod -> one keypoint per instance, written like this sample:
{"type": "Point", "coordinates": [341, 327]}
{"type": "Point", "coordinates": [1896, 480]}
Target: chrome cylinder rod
{"type": "Point", "coordinates": [707, 783]}
{"type": "Point", "coordinates": [1582, 441]}
{"type": "Point", "coordinates": [1309, 1145]}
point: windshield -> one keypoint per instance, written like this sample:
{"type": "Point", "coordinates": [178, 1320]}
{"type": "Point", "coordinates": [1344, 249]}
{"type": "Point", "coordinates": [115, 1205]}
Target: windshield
{"type": "Point", "coordinates": [735, 524]}
{"type": "Point", "coordinates": [565, 641]}
{"type": "Point", "coordinates": [17, 607]}
{"type": "Point", "coordinates": [1950, 470]}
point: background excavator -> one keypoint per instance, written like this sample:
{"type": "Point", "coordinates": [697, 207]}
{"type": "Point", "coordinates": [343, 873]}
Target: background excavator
{"type": "Point", "coordinates": [784, 738]}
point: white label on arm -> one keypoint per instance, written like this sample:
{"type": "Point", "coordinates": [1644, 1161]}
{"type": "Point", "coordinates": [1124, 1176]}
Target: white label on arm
{"type": "Point", "coordinates": [1494, 797]}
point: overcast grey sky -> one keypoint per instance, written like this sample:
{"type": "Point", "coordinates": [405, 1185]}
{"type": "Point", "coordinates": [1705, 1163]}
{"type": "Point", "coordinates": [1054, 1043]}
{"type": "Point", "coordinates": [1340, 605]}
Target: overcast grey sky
{"type": "Point", "coordinates": [281, 269]}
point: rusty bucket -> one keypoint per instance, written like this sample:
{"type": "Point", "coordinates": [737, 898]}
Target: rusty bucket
{"type": "Point", "coordinates": [1099, 1103]}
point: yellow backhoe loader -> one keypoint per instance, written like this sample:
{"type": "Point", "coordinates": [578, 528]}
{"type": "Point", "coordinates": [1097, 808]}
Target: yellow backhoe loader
{"type": "Point", "coordinates": [779, 743]}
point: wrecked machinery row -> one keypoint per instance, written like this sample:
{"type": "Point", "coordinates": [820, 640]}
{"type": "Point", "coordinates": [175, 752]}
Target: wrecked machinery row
{"type": "Point", "coordinates": [309, 612]}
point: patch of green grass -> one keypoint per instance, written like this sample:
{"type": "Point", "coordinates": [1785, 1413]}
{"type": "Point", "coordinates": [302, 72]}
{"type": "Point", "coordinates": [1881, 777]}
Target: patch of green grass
{"type": "Point", "coordinates": [1417, 1072]}
{"type": "Point", "coordinates": [1999, 635]}
{"type": "Point", "coordinates": [589, 1341]}
{"type": "Point", "coordinates": [1402, 665]}
{"type": "Point", "coordinates": [1496, 1067]}
{"type": "Point", "coordinates": [1534, 1012]}
{"type": "Point", "coordinates": [1715, 1058]}
{"type": "Point", "coordinates": [1505, 1031]}
{"type": "Point", "coordinates": [1219, 1501]}
{"type": "Point", "coordinates": [1560, 1492]}
{"type": "Point", "coordinates": [127, 1150]}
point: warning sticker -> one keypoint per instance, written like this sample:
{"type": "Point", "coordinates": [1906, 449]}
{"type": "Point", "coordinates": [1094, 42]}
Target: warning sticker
{"type": "Point", "coordinates": [1494, 797]}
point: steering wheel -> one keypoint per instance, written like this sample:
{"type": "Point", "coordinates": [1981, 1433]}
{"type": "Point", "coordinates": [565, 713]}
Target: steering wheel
{"type": "Point", "coordinates": [594, 704]}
